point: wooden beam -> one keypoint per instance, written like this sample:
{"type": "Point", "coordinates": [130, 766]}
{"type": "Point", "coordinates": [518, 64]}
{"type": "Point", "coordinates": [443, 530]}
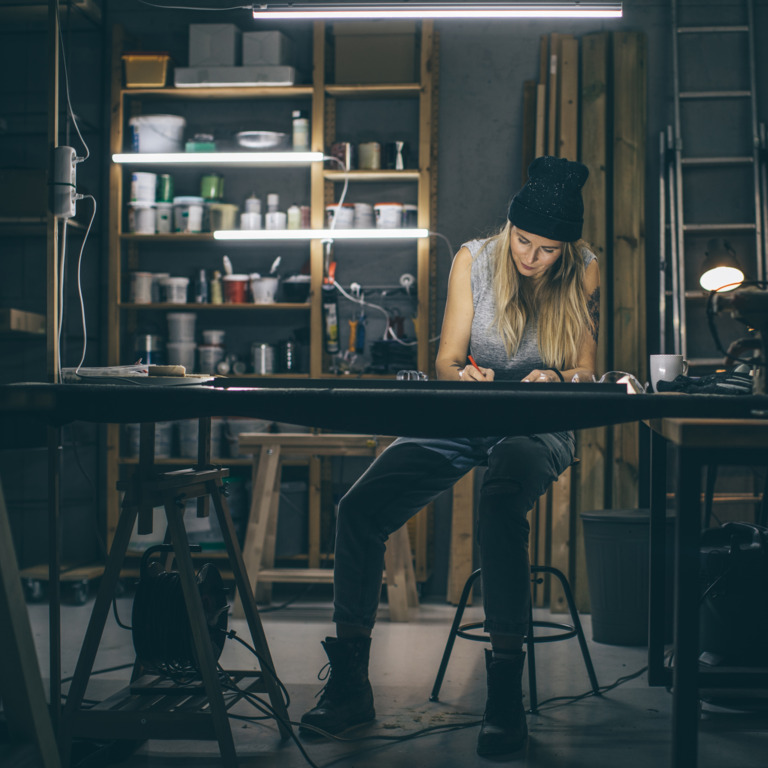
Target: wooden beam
{"type": "Point", "coordinates": [629, 303]}
{"type": "Point", "coordinates": [568, 100]}
{"type": "Point", "coordinates": [530, 88]}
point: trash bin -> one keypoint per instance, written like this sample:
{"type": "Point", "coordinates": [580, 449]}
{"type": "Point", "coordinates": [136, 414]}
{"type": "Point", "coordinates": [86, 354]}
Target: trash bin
{"type": "Point", "coordinates": [616, 543]}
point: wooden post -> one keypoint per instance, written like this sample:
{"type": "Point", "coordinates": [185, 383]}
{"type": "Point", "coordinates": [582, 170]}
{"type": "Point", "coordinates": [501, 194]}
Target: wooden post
{"type": "Point", "coordinates": [629, 304]}
{"type": "Point", "coordinates": [592, 445]}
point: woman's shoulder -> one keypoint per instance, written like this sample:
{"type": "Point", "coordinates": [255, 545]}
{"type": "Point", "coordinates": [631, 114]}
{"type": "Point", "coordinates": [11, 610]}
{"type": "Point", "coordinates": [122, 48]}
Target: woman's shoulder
{"type": "Point", "coordinates": [586, 252]}
{"type": "Point", "coordinates": [478, 246]}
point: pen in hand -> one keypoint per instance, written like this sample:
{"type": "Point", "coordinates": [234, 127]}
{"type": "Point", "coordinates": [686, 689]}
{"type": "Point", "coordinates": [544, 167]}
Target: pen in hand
{"type": "Point", "coordinates": [472, 360]}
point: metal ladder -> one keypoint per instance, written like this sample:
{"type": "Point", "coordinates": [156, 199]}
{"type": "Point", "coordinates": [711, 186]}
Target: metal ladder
{"type": "Point", "coordinates": [689, 167]}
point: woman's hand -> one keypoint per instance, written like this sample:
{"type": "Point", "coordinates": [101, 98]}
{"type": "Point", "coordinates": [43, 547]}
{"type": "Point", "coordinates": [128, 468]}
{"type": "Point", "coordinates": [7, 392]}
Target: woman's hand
{"type": "Point", "coordinates": [537, 375]}
{"type": "Point", "coordinates": [472, 373]}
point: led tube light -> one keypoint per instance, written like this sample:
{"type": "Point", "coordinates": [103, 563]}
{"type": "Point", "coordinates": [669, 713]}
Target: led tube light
{"type": "Point", "coordinates": [223, 158]}
{"type": "Point", "coordinates": [320, 234]}
{"type": "Point", "coordinates": [444, 10]}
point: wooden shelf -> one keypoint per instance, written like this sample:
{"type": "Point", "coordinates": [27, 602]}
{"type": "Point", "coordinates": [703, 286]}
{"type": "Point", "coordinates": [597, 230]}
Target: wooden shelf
{"type": "Point", "coordinates": [17, 322]}
{"type": "Point", "coordinates": [384, 90]}
{"type": "Point", "coordinates": [378, 176]}
{"type": "Point", "coordinates": [208, 93]}
{"type": "Point", "coordinates": [280, 306]}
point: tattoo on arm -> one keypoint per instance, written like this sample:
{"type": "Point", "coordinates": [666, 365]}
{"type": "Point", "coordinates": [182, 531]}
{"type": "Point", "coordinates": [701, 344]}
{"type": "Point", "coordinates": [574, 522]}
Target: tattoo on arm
{"type": "Point", "coordinates": [593, 308]}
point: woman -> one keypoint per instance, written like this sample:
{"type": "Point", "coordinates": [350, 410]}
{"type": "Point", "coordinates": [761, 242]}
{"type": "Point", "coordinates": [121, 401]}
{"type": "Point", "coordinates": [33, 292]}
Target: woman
{"type": "Point", "coordinates": [525, 305]}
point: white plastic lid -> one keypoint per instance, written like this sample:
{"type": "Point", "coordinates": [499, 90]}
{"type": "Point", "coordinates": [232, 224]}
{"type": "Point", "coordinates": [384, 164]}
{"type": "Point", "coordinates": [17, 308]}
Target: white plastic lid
{"type": "Point", "coordinates": [187, 200]}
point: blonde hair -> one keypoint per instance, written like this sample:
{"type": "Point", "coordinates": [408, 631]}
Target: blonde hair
{"type": "Point", "coordinates": [558, 301]}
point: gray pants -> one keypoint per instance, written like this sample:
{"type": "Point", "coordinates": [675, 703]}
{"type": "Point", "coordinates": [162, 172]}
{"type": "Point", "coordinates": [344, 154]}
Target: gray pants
{"type": "Point", "coordinates": [410, 474]}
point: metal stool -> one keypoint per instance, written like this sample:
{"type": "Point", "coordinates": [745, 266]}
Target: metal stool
{"type": "Point", "coordinates": [568, 631]}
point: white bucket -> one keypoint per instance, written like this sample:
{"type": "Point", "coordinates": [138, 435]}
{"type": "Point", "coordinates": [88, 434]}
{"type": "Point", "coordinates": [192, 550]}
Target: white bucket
{"type": "Point", "coordinates": [363, 216]}
{"type": "Point", "coordinates": [164, 223]}
{"type": "Point", "coordinates": [142, 218]}
{"type": "Point", "coordinates": [210, 356]}
{"type": "Point", "coordinates": [182, 353]}
{"type": "Point", "coordinates": [176, 290]}
{"type": "Point", "coordinates": [388, 215]}
{"type": "Point", "coordinates": [181, 326]}
{"type": "Point", "coordinates": [157, 133]}
{"type": "Point", "coordinates": [141, 287]}
{"type": "Point", "coordinates": [344, 215]}
{"type": "Point", "coordinates": [143, 187]}
{"type": "Point", "coordinates": [188, 214]}
{"type": "Point", "coordinates": [214, 337]}
{"type": "Point", "coordinates": [263, 289]}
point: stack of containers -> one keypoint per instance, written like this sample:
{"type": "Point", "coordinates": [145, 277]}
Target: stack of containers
{"type": "Point", "coordinates": [142, 212]}
{"type": "Point", "coordinates": [181, 339]}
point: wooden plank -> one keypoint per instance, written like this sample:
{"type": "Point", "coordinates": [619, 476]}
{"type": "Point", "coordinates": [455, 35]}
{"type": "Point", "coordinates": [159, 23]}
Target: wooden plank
{"type": "Point", "coordinates": [529, 126]}
{"type": "Point", "coordinates": [592, 445]}
{"type": "Point", "coordinates": [552, 86]}
{"type": "Point", "coordinates": [541, 121]}
{"type": "Point", "coordinates": [24, 702]}
{"type": "Point", "coordinates": [460, 562]}
{"type": "Point", "coordinates": [568, 100]}
{"type": "Point", "coordinates": [629, 304]}
{"type": "Point", "coordinates": [560, 557]}
{"type": "Point", "coordinates": [314, 543]}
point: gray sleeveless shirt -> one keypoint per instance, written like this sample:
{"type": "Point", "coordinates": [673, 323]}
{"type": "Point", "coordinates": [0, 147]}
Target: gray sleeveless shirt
{"type": "Point", "coordinates": [486, 345]}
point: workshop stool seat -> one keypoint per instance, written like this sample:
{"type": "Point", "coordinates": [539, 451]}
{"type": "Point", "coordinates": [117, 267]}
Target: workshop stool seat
{"type": "Point", "coordinates": [567, 631]}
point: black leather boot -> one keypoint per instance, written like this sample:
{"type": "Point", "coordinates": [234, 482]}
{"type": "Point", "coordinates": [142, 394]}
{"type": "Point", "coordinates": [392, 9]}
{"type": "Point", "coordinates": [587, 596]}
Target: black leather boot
{"type": "Point", "coordinates": [347, 698]}
{"type": "Point", "coordinates": [504, 728]}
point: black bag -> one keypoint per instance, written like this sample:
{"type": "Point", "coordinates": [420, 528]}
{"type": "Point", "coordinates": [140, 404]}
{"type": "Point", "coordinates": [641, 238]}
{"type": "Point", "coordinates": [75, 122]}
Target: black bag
{"type": "Point", "coordinates": [734, 595]}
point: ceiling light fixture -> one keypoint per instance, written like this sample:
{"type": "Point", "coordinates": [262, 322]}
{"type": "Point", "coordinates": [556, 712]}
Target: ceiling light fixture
{"type": "Point", "coordinates": [218, 158]}
{"type": "Point", "coordinates": [320, 234]}
{"type": "Point", "coordinates": [447, 9]}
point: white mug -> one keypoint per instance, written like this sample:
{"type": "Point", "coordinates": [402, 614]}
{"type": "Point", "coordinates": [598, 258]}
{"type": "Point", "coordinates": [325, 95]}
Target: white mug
{"type": "Point", "coordinates": [667, 368]}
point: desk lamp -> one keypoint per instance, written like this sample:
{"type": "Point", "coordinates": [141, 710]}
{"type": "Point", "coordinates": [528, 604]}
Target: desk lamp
{"type": "Point", "coordinates": [721, 270]}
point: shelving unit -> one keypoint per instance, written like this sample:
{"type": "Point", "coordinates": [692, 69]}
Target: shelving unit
{"type": "Point", "coordinates": [127, 251]}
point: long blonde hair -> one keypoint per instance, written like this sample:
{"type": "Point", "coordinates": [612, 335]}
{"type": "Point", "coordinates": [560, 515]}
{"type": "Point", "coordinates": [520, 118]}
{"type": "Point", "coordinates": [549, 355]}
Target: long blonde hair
{"type": "Point", "coordinates": [558, 301]}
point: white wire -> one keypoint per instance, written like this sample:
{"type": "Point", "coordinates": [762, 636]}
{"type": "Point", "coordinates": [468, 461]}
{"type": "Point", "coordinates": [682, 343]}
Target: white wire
{"type": "Point", "coordinates": [79, 283]}
{"type": "Point", "coordinates": [62, 265]}
{"type": "Point", "coordinates": [447, 241]}
{"type": "Point", "coordinates": [362, 302]}
{"type": "Point", "coordinates": [66, 87]}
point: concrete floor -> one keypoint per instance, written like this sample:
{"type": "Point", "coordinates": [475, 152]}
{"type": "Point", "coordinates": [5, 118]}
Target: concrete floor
{"type": "Point", "coordinates": [628, 726]}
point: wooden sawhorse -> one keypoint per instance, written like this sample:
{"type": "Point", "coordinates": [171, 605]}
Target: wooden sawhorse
{"type": "Point", "coordinates": [154, 706]}
{"type": "Point", "coordinates": [259, 548]}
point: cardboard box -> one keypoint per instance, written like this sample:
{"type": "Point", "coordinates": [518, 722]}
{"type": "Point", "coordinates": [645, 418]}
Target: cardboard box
{"type": "Point", "coordinates": [214, 45]}
{"type": "Point", "coordinates": [267, 48]}
{"type": "Point", "coordinates": [375, 52]}
{"type": "Point", "coordinates": [145, 70]}
{"type": "Point", "coordinates": [224, 77]}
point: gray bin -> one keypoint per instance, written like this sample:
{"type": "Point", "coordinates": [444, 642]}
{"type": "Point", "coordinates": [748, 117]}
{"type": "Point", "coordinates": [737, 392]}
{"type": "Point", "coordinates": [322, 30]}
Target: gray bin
{"type": "Point", "coordinates": [617, 545]}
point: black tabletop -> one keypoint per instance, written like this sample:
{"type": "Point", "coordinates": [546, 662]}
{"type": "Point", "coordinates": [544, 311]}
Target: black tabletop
{"type": "Point", "coordinates": [408, 408]}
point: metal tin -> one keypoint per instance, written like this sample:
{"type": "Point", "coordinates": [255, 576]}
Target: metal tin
{"type": "Point", "coordinates": [263, 357]}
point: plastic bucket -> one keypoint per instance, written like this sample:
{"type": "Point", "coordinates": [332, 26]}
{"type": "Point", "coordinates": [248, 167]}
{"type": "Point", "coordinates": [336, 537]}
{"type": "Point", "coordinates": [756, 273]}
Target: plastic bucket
{"type": "Point", "coordinates": [388, 215]}
{"type": "Point", "coordinates": [143, 187]}
{"type": "Point", "coordinates": [181, 326]}
{"type": "Point", "coordinates": [188, 214]}
{"type": "Point", "coordinates": [182, 353]}
{"type": "Point", "coordinates": [209, 355]}
{"type": "Point", "coordinates": [235, 288]}
{"type": "Point", "coordinates": [141, 287]}
{"type": "Point", "coordinates": [164, 223]}
{"type": "Point", "coordinates": [263, 289]}
{"type": "Point", "coordinates": [142, 218]}
{"type": "Point", "coordinates": [176, 290]}
{"type": "Point", "coordinates": [616, 543]}
{"type": "Point", "coordinates": [157, 133]}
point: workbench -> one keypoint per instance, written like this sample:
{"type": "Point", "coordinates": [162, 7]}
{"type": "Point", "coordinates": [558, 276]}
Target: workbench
{"type": "Point", "coordinates": [405, 408]}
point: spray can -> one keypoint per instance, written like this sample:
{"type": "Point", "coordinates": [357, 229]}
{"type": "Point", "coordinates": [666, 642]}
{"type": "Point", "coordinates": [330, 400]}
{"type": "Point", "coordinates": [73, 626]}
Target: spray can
{"type": "Point", "coordinates": [331, 319]}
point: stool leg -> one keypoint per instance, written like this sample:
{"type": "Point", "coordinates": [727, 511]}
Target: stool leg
{"type": "Point", "coordinates": [452, 634]}
{"type": "Point", "coordinates": [530, 642]}
{"type": "Point", "coordinates": [579, 631]}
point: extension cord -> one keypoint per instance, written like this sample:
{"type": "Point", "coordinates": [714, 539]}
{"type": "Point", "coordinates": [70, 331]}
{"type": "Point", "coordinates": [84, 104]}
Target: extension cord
{"type": "Point", "coordinates": [63, 190]}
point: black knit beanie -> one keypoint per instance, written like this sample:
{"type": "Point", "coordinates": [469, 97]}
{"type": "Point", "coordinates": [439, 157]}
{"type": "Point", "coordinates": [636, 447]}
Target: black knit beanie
{"type": "Point", "coordinates": [550, 204]}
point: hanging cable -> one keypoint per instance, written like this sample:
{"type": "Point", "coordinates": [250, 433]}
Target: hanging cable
{"type": "Point", "coordinates": [79, 283]}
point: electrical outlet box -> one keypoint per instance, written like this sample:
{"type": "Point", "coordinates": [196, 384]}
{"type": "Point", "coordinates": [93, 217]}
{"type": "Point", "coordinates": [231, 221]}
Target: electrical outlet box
{"type": "Point", "coordinates": [63, 177]}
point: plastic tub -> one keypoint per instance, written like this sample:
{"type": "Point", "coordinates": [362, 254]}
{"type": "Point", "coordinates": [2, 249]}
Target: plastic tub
{"type": "Point", "coordinates": [209, 356]}
{"type": "Point", "coordinates": [142, 218]}
{"type": "Point", "coordinates": [181, 326]}
{"type": "Point", "coordinates": [188, 214]}
{"type": "Point", "coordinates": [182, 353]}
{"type": "Point", "coordinates": [296, 288]}
{"type": "Point", "coordinates": [141, 287]}
{"type": "Point", "coordinates": [164, 219]}
{"type": "Point", "coordinates": [143, 187]}
{"type": "Point", "coordinates": [388, 215]}
{"type": "Point", "coordinates": [223, 216]}
{"type": "Point", "coordinates": [214, 337]}
{"type": "Point", "coordinates": [145, 70]}
{"type": "Point", "coordinates": [263, 289]}
{"type": "Point", "coordinates": [344, 216]}
{"type": "Point", "coordinates": [176, 289]}
{"type": "Point", "coordinates": [157, 133]}
{"type": "Point", "coordinates": [235, 288]}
